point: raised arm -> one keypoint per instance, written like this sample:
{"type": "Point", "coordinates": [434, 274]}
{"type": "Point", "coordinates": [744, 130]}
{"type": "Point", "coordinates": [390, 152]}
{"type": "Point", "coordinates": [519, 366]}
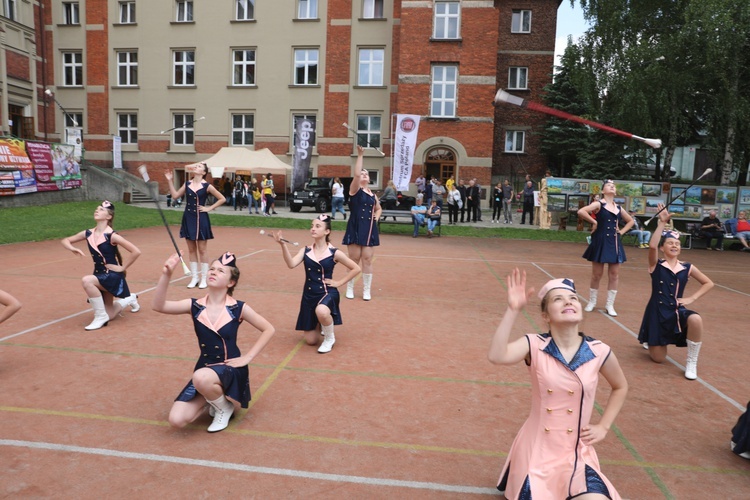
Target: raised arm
{"type": "Point", "coordinates": [291, 262]}
{"type": "Point", "coordinates": [175, 193]}
{"type": "Point", "coordinates": [160, 302]}
{"type": "Point", "coordinates": [354, 186]}
{"type": "Point", "coordinates": [653, 244]}
{"type": "Point", "coordinates": [501, 351]}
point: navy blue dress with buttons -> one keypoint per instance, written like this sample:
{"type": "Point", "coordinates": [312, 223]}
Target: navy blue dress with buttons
{"type": "Point", "coordinates": [362, 229]}
{"type": "Point", "coordinates": [218, 342]}
{"type": "Point", "coordinates": [316, 291]}
{"type": "Point", "coordinates": [664, 321]}
{"type": "Point", "coordinates": [103, 253]}
{"type": "Point", "coordinates": [606, 242]}
{"type": "Point", "coordinates": [195, 224]}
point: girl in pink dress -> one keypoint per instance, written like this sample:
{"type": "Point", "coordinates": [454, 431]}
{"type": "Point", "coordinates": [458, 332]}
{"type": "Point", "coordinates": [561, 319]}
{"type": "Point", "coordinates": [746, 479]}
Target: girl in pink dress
{"type": "Point", "coordinates": [553, 455]}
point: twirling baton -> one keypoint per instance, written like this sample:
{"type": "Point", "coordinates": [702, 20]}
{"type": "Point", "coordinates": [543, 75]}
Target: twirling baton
{"type": "Point", "coordinates": [360, 135]}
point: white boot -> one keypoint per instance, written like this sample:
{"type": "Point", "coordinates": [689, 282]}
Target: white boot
{"type": "Point", "coordinates": [194, 277]}
{"type": "Point", "coordinates": [691, 365]}
{"type": "Point", "coordinates": [350, 289]}
{"type": "Point", "coordinates": [367, 281]}
{"type": "Point", "coordinates": [593, 292]}
{"type": "Point", "coordinates": [204, 275]}
{"type": "Point", "coordinates": [328, 339]}
{"type": "Point", "coordinates": [223, 409]}
{"type": "Point", "coordinates": [611, 294]}
{"type": "Point", "coordinates": [131, 301]}
{"type": "Point", "coordinates": [101, 318]}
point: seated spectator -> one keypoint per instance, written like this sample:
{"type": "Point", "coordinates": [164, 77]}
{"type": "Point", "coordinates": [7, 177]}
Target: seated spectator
{"type": "Point", "coordinates": [418, 213]}
{"type": "Point", "coordinates": [433, 217]}
{"type": "Point", "coordinates": [643, 236]}
{"type": "Point", "coordinates": [711, 228]}
{"type": "Point", "coordinates": [740, 228]}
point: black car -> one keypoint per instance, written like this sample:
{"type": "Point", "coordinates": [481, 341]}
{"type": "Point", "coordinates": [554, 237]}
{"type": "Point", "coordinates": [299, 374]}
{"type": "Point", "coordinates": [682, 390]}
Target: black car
{"type": "Point", "coordinates": [317, 194]}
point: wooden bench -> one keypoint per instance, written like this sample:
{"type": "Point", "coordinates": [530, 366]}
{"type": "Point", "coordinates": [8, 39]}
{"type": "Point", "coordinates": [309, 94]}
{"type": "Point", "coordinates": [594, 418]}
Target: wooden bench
{"type": "Point", "coordinates": [403, 217]}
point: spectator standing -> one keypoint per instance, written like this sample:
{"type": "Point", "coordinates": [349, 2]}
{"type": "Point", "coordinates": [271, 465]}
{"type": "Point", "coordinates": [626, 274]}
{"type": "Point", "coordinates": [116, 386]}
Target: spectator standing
{"type": "Point", "coordinates": [711, 228]}
{"type": "Point", "coordinates": [472, 195]}
{"type": "Point", "coordinates": [450, 182]}
{"type": "Point", "coordinates": [438, 193]}
{"type": "Point", "coordinates": [337, 198]}
{"type": "Point", "coordinates": [507, 200]}
{"type": "Point", "coordinates": [478, 201]}
{"type": "Point", "coordinates": [454, 204]}
{"type": "Point", "coordinates": [462, 192]}
{"type": "Point", "coordinates": [428, 192]}
{"type": "Point", "coordinates": [497, 202]}
{"type": "Point", "coordinates": [390, 196]}
{"type": "Point", "coordinates": [268, 194]}
{"type": "Point", "coordinates": [528, 201]}
{"type": "Point", "coordinates": [253, 196]}
{"type": "Point", "coordinates": [420, 182]}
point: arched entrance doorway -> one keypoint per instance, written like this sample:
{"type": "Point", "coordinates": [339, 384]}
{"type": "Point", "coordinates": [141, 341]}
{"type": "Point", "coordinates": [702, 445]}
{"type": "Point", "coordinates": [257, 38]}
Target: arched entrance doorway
{"type": "Point", "coordinates": [440, 162]}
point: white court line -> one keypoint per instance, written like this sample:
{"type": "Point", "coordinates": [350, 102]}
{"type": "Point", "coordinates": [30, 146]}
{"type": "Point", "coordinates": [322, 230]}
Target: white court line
{"type": "Point", "coordinates": [59, 320]}
{"type": "Point", "coordinates": [669, 358]}
{"type": "Point", "coordinates": [339, 478]}
{"type": "Point", "coordinates": [732, 290]}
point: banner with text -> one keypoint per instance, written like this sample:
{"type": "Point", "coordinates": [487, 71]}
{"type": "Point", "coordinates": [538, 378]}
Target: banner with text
{"type": "Point", "coordinates": [304, 140]}
{"type": "Point", "coordinates": [54, 165]}
{"type": "Point", "coordinates": [407, 128]}
{"type": "Point", "coordinates": [18, 171]}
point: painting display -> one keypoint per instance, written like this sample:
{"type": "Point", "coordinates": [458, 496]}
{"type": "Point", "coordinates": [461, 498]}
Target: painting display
{"type": "Point", "coordinates": [708, 196]}
{"type": "Point", "coordinates": [726, 211]}
{"type": "Point", "coordinates": [693, 212]}
{"type": "Point", "coordinates": [726, 195]}
{"type": "Point", "coordinates": [638, 205]}
{"type": "Point", "coordinates": [652, 205]}
{"type": "Point", "coordinates": [576, 201]}
{"type": "Point", "coordinates": [556, 202]}
{"type": "Point", "coordinates": [651, 189]}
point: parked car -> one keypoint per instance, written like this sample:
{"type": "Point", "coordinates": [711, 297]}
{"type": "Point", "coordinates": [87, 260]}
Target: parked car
{"type": "Point", "coordinates": [640, 166]}
{"type": "Point", "coordinates": [317, 193]}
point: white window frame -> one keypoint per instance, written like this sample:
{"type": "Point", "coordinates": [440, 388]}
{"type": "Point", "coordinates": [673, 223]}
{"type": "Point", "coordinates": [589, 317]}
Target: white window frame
{"type": "Point", "coordinates": [74, 120]}
{"type": "Point", "coordinates": [71, 13]}
{"type": "Point", "coordinates": [370, 133]}
{"type": "Point", "coordinates": [307, 9]}
{"type": "Point", "coordinates": [183, 135]}
{"type": "Point", "coordinates": [72, 69]}
{"type": "Point", "coordinates": [441, 81]}
{"type": "Point", "coordinates": [515, 141]}
{"type": "Point", "coordinates": [243, 129]}
{"type": "Point", "coordinates": [303, 60]}
{"type": "Point", "coordinates": [10, 9]}
{"type": "Point", "coordinates": [240, 68]}
{"type": "Point", "coordinates": [187, 66]}
{"type": "Point", "coordinates": [128, 131]}
{"type": "Point", "coordinates": [444, 21]}
{"type": "Point", "coordinates": [127, 12]}
{"type": "Point", "coordinates": [373, 9]}
{"type": "Point", "coordinates": [183, 12]}
{"type": "Point", "coordinates": [518, 19]}
{"type": "Point", "coordinates": [127, 68]}
{"type": "Point", "coordinates": [244, 10]}
{"type": "Point", "coordinates": [371, 67]}
{"type": "Point", "coordinates": [518, 77]}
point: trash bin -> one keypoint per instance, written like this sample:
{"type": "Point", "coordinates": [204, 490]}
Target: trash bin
{"type": "Point", "coordinates": [126, 197]}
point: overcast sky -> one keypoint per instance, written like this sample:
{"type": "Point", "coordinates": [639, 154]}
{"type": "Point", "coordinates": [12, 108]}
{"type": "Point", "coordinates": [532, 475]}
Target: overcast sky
{"type": "Point", "coordinates": [569, 22]}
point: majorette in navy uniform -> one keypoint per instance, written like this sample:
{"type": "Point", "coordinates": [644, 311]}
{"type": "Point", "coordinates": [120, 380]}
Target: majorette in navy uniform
{"type": "Point", "coordinates": [195, 225]}
{"type": "Point", "coordinates": [108, 278]}
{"type": "Point", "coordinates": [362, 229]}
{"type": "Point", "coordinates": [606, 242]}
{"type": "Point", "coordinates": [218, 342]}
{"type": "Point", "coordinates": [316, 292]}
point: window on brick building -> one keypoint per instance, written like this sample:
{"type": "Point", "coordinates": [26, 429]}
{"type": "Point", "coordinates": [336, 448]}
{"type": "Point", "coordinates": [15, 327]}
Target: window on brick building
{"type": "Point", "coordinates": [372, 9]}
{"type": "Point", "coordinates": [305, 66]}
{"type": "Point", "coordinates": [368, 130]}
{"type": "Point", "coordinates": [127, 127]}
{"type": "Point", "coordinates": [72, 63]}
{"type": "Point", "coordinates": [183, 133]}
{"type": "Point", "coordinates": [127, 69]}
{"type": "Point", "coordinates": [183, 67]}
{"type": "Point", "coordinates": [521, 22]}
{"type": "Point", "coordinates": [518, 77]}
{"type": "Point", "coordinates": [245, 10]}
{"type": "Point", "coordinates": [447, 23]}
{"type": "Point", "coordinates": [444, 86]}
{"type": "Point", "coordinates": [71, 13]}
{"type": "Point", "coordinates": [307, 9]}
{"type": "Point", "coordinates": [127, 12]}
{"type": "Point", "coordinates": [9, 9]}
{"type": "Point", "coordinates": [514, 141]}
{"type": "Point", "coordinates": [243, 67]}
{"type": "Point", "coordinates": [243, 129]}
{"type": "Point", "coordinates": [184, 11]}
{"type": "Point", "coordinates": [371, 67]}
{"type": "Point", "coordinates": [73, 121]}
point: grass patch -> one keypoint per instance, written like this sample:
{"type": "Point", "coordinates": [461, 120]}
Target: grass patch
{"type": "Point", "coordinates": [22, 224]}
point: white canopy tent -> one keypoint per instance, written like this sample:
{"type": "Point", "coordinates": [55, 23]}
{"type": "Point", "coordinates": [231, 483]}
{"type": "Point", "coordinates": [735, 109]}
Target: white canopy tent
{"type": "Point", "coordinates": [233, 159]}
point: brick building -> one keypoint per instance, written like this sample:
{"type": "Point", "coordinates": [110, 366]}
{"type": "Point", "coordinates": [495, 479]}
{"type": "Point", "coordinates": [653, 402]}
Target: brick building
{"type": "Point", "coordinates": [132, 69]}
